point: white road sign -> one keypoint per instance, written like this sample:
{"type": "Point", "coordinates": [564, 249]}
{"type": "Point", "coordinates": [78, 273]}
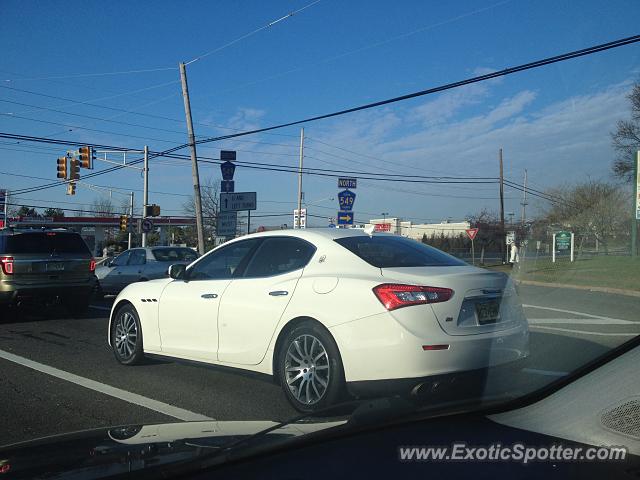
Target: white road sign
{"type": "Point", "coordinates": [300, 222]}
{"type": "Point", "coordinates": [234, 202]}
{"type": "Point", "coordinates": [147, 225]}
{"type": "Point", "coordinates": [227, 224]}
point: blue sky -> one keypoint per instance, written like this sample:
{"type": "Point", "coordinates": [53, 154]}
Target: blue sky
{"type": "Point", "coordinates": [554, 121]}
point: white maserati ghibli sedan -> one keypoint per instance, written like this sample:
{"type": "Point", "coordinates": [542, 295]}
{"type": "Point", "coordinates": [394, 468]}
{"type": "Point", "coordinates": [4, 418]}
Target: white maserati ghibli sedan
{"type": "Point", "coordinates": [324, 310]}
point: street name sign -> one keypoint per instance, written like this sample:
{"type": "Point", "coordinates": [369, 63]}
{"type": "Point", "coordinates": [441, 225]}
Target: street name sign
{"type": "Point", "coordinates": [345, 218]}
{"type": "Point", "coordinates": [238, 201]}
{"type": "Point", "coordinates": [347, 182]}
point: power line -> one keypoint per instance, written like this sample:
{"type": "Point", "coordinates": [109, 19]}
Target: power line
{"type": "Point", "coordinates": [253, 32]}
{"type": "Point", "coordinates": [480, 78]}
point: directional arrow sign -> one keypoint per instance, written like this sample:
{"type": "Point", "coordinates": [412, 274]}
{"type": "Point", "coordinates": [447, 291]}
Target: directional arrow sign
{"type": "Point", "coordinates": [345, 218]}
{"type": "Point", "coordinates": [230, 202]}
{"type": "Point", "coordinates": [346, 199]}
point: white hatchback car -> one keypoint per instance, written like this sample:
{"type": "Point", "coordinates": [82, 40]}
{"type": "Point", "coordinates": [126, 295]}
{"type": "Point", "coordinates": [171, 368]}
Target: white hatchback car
{"type": "Point", "coordinates": [321, 309]}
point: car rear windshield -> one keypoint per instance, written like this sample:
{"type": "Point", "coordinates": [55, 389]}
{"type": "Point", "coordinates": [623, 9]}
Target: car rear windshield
{"type": "Point", "coordinates": [390, 252]}
{"type": "Point", "coordinates": [44, 243]}
{"type": "Point", "coordinates": [174, 254]}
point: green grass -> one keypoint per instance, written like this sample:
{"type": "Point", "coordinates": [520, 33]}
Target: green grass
{"type": "Point", "coordinates": [604, 271]}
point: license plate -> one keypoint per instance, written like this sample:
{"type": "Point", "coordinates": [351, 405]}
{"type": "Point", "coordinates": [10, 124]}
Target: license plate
{"type": "Point", "coordinates": [55, 267]}
{"type": "Point", "coordinates": [488, 312]}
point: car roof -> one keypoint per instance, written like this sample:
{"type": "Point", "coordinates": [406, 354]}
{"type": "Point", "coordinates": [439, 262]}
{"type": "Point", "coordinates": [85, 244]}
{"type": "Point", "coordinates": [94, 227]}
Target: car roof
{"type": "Point", "coordinates": [314, 233]}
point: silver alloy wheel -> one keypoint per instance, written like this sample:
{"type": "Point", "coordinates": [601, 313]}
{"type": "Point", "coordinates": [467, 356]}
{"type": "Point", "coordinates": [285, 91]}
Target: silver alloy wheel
{"type": "Point", "coordinates": [126, 335]}
{"type": "Point", "coordinates": [307, 370]}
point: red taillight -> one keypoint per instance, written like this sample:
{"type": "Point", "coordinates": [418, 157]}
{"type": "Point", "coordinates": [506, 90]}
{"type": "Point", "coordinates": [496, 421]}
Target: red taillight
{"type": "Point", "coordinates": [92, 265]}
{"type": "Point", "coordinates": [394, 296]}
{"type": "Point", "coordinates": [7, 265]}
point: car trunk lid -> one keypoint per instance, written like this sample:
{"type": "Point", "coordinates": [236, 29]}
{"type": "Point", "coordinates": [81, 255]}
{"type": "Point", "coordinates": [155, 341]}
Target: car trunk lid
{"type": "Point", "coordinates": [483, 301]}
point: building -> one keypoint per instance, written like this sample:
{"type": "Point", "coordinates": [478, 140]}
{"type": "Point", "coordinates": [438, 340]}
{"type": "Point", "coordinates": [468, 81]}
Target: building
{"type": "Point", "coordinates": [417, 230]}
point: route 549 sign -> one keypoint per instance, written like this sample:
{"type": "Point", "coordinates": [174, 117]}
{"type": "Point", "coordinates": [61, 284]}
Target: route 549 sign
{"type": "Point", "coordinates": [346, 199]}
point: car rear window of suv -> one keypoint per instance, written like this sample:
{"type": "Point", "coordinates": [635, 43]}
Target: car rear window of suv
{"type": "Point", "coordinates": [394, 252]}
{"type": "Point", "coordinates": [45, 243]}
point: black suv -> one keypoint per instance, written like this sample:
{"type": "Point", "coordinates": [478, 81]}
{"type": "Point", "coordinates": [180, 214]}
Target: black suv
{"type": "Point", "coordinates": [38, 267]}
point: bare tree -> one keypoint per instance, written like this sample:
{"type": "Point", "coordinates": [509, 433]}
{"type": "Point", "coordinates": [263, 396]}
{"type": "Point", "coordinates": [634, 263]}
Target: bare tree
{"type": "Point", "coordinates": [594, 208]}
{"type": "Point", "coordinates": [102, 207]}
{"type": "Point", "coordinates": [626, 139]}
{"type": "Point", "coordinates": [210, 197]}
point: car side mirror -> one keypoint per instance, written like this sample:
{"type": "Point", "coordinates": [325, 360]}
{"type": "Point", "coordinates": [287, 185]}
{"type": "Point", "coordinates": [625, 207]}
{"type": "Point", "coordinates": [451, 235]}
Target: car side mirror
{"type": "Point", "coordinates": [177, 271]}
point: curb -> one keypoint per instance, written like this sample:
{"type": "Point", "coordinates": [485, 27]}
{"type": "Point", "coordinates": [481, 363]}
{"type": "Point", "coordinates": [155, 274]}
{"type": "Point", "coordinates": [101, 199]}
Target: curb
{"type": "Point", "coordinates": [616, 291]}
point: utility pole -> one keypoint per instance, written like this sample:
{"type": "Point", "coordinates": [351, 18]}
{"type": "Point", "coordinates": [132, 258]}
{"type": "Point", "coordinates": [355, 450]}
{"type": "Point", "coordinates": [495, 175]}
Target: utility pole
{"type": "Point", "coordinates": [636, 207]}
{"type": "Point", "coordinates": [502, 232]}
{"type": "Point", "coordinates": [194, 159]}
{"type": "Point", "coordinates": [145, 192]}
{"type": "Point", "coordinates": [300, 178]}
{"type": "Point", "coordinates": [130, 219]}
{"type": "Point", "coordinates": [524, 199]}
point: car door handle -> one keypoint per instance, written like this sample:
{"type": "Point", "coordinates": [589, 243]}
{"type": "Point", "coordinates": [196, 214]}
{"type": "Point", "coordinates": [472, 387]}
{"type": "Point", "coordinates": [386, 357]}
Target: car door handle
{"type": "Point", "coordinates": [278, 293]}
{"type": "Point", "coordinates": [209, 295]}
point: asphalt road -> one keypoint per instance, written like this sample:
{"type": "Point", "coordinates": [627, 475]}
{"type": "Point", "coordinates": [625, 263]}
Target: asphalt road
{"type": "Point", "coordinates": [58, 375]}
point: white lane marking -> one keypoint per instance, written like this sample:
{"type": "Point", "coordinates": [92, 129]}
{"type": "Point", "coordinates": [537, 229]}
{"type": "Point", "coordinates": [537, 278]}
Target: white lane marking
{"type": "Point", "coordinates": [580, 321]}
{"type": "Point", "coordinates": [572, 312]}
{"type": "Point", "coordinates": [98, 307]}
{"type": "Point", "coordinates": [548, 373]}
{"type": "Point", "coordinates": [584, 332]}
{"type": "Point", "coordinates": [130, 397]}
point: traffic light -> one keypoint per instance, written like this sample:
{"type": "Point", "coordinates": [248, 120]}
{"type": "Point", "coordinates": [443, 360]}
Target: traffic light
{"type": "Point", "coordinates": [86, 155]}
{"type": "Point", "coordinates": [71, 188]}
{"type": "Point", "coordinates": [152, 211]}
{"type": "Point", "coordinates": [62, 168]}
{"type": "Point", "coordinates": [74, 174]}
{"type": "Point", "coordinates": [123, 223]}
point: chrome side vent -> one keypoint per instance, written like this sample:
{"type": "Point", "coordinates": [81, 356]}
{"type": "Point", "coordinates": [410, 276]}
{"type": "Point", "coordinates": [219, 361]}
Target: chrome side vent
{"type": "Point", "coordinates": [624, 418]}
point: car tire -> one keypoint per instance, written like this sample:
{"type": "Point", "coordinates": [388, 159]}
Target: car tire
{"type": "Point", "coordinates": [126, 336]}
{"type": "Point", "coordinates": [310, 369]}
{"type": "Point", "coordinates": [78, 306]}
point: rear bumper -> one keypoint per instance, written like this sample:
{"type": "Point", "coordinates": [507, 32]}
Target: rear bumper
{"type": "Point", "coordinates": [378, 348]}
{"type": "Point", "coordinates": [467, 384]}
{"type": "Point", "coordinates": [14, 293]}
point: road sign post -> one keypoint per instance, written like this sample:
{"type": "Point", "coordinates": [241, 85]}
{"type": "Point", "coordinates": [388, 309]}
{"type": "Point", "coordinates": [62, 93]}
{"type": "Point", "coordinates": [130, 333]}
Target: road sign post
{"type": "Point", "coordinates": [4, 202]}
{"type": "Point", "coordinates": [471, 233]}
{"type": "Point", "coordinates": [636, 208]}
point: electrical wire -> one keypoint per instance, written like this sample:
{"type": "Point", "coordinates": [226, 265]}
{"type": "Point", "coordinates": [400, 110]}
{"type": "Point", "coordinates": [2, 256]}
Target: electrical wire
{"type": "Point", "coordinates": [253, 32]}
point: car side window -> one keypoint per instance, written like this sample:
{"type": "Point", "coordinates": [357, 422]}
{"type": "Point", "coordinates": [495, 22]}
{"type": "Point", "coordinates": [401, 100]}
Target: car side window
{"type": "Point", "coordinates": [138, 257]}
{"type": "Point", "coordinates": [121, 260]}
{"type": "Point", "coordinates": [222, 263]}
{"type": "Point", "coordinates": [279, 255]}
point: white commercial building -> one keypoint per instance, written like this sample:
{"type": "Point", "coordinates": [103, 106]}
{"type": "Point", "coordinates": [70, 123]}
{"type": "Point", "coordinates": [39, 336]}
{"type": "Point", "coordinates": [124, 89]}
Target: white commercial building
{"type": "Point", "coordinates": [417, 230]}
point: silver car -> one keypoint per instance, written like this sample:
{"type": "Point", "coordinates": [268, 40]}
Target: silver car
{"type": "Point", "coordinates": [139, 265]}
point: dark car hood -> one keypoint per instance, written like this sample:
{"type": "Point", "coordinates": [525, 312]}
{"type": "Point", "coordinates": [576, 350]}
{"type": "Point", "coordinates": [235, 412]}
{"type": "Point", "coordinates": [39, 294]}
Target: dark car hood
{"type": "Point", "coordinates": [102, 453]}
